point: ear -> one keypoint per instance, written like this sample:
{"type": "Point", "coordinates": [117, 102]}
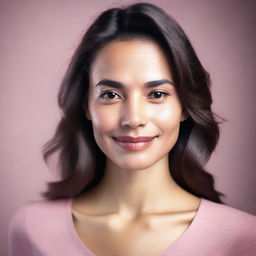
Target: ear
{"type": "Point", "coordinates": [87, 114]}
{"type": "Point", "coordinates": [184, 115]}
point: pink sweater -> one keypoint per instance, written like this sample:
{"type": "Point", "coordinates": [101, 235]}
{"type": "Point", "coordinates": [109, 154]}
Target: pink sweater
{"type": "Point", "coordinates": [46, 228]}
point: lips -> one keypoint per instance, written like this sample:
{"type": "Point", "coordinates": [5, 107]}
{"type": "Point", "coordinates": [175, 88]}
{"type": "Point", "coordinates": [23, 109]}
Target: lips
{"type": "Point", "coordinates": [134, 144]}
{"type": "Point", "coordinates": [133, 139]}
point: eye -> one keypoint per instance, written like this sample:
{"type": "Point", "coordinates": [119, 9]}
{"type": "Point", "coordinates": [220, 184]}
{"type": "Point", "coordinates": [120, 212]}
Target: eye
{"type": "Point", "coordinates": [108, 95]}
{"type": "Point", "coordinates": [158, 94]}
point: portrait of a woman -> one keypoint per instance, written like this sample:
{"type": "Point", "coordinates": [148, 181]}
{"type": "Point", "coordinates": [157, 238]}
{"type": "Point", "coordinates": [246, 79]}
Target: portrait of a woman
{"type": "Point", "coordinates": [136, 131]}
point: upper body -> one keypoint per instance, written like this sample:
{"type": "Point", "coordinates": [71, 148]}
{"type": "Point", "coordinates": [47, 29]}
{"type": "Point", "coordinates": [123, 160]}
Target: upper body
{"type": "Point", "coordinates": [139, 89]}
{"type": "Point", "coordinates": [47, 228]}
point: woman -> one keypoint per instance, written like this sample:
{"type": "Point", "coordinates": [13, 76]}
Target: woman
{"type": "Point", "coordinates": [136, 130]}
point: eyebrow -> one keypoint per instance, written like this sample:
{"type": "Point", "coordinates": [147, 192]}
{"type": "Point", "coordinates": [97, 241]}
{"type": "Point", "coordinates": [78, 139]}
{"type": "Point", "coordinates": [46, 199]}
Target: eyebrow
{"type": "Point", "coordinates": [119, 85]}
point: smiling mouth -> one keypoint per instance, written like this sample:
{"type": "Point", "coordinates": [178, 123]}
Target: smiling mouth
{"type": "Point", "coordinates": [135, 146]}
{"type": "Point", "coordinates": [130, 139]}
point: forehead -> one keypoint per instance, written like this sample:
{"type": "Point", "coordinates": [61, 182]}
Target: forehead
{"type": "Point", "coordinates": [133, 59]}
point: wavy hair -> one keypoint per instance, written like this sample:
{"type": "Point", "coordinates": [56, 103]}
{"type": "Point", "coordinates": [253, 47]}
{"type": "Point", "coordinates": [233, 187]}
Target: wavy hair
{"type": "Point", "coordinates": [81, 161]}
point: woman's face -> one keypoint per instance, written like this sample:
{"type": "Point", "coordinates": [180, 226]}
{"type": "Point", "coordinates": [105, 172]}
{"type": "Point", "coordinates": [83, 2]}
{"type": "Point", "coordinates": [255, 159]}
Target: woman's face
{"type": "Point", "coordinates": [128, 107]}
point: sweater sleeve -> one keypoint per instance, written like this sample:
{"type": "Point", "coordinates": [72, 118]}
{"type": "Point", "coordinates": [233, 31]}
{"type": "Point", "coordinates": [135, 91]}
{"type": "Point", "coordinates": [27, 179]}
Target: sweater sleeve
{"type": "Point", "coordinates": [18, 242]}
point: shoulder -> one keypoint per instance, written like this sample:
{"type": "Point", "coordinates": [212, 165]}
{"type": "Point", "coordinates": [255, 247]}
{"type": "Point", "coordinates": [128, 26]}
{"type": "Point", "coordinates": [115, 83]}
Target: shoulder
{"type": "Point", "coordinates": [230, 225]}
{"type": "Point", "coordinates": [37, 214]}
{"type": "Point", "coordinates": [43, 228]}
{"type": "Point", "coordinates": [227, 214]}
{"type": "Point", "coordinates": [33, 223]}
{"type": "Point", "coordinates": [40, 207]}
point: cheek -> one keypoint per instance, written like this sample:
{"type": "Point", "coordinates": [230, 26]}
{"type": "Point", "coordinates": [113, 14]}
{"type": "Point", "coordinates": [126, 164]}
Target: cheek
{"type": "Point", "coordinates": [103, 119]}
{"type": "Point", "coordinates": [168, 122]}
{"type": "Point", "coordinates": [167, 116]}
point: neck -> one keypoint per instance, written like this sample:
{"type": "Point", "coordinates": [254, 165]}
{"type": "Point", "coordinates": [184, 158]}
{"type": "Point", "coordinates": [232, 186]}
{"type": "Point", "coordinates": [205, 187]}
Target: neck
{"type": "Point", "coordinates": [131, 193]}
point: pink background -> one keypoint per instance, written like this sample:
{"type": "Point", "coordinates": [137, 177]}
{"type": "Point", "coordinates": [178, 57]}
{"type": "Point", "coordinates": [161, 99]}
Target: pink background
{"type": "Point", "coordinates": [37, 40]}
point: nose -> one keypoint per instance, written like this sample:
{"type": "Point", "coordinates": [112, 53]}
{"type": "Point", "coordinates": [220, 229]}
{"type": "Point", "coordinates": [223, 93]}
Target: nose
{"type": "Point", "coordinates": [133, 113]}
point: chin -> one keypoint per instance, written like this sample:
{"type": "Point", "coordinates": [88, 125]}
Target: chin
{"type": "Point", "coordinates": [134, 166]}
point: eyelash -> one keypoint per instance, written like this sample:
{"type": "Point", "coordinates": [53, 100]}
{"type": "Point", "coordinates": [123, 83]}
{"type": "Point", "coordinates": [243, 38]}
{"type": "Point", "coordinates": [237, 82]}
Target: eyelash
{"type": "Point", "coordinates": [106, 92]}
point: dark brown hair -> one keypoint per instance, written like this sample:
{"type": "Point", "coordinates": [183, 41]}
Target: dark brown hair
{"type": "Point", "coordinates": [81, 161]}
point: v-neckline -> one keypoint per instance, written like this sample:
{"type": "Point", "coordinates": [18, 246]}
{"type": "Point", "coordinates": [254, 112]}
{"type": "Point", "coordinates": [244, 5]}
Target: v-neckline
{"type": "Point", "coordinates": [185, 236]}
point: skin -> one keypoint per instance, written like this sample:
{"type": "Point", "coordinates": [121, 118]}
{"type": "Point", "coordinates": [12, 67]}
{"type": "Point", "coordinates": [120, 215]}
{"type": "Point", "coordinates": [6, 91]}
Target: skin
{"type": "Point", "coordinates": [137, 186]}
